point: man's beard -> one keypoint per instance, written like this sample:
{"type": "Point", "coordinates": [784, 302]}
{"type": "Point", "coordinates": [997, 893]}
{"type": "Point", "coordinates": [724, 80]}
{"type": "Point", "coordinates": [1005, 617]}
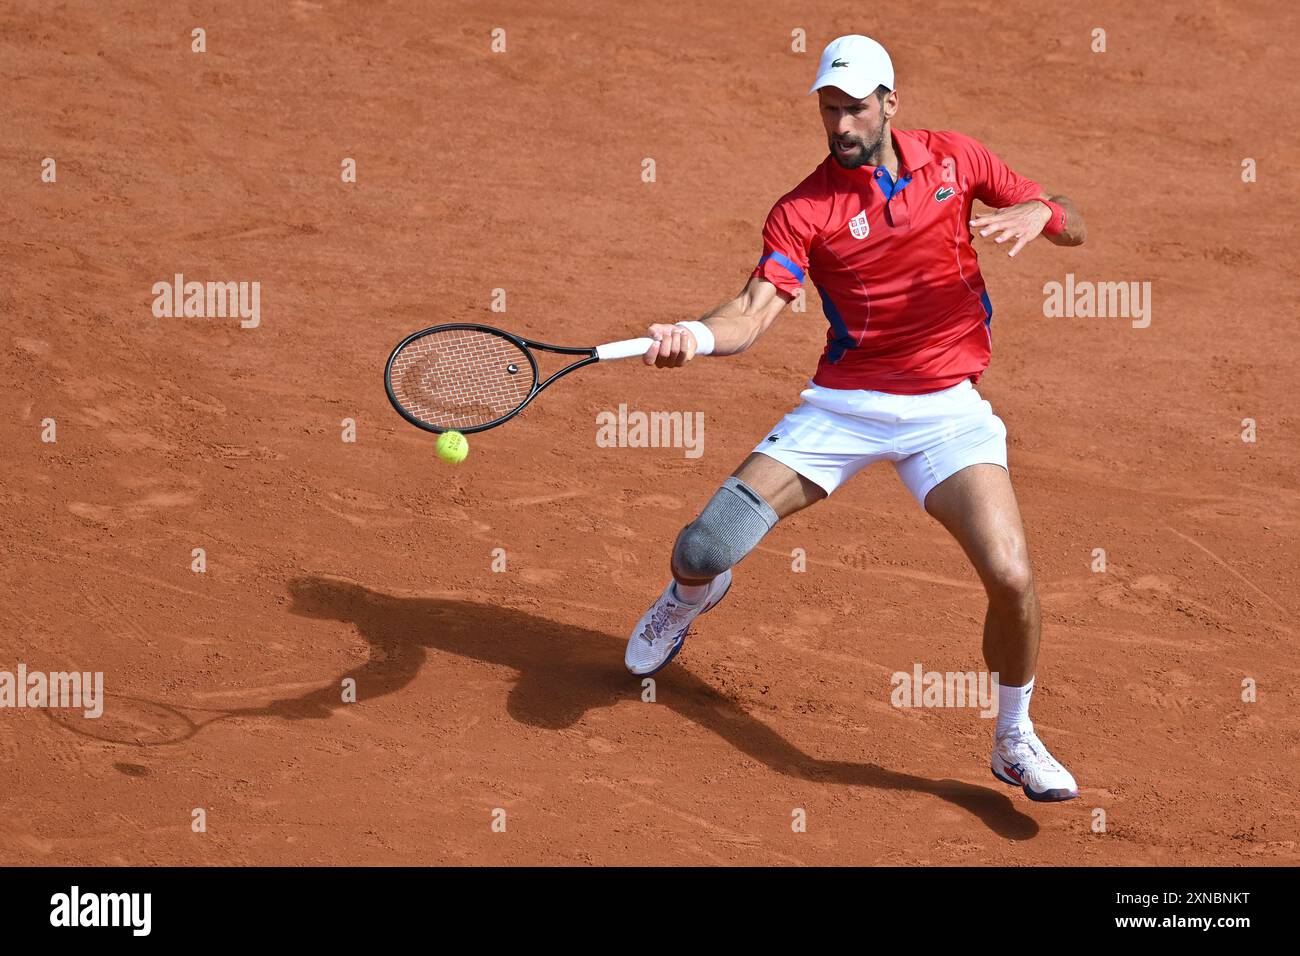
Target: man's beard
{"type": "Point", "coordinates": [868, 154]}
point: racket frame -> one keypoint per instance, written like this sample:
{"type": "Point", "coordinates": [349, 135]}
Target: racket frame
{"type": "Point", "coordinates": [525, 345]}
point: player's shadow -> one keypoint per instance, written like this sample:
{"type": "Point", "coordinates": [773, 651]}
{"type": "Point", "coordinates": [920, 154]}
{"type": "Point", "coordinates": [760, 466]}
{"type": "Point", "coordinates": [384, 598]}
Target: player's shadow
{"type": "Point", "coordinates": [565, 671]}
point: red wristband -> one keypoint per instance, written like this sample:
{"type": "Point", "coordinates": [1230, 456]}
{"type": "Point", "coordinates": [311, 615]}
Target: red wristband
{"type": "Point", "coordinates": [1056, 225]}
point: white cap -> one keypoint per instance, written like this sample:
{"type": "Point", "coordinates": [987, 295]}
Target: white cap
{"type": "Point", "coordinates": [856, 64]}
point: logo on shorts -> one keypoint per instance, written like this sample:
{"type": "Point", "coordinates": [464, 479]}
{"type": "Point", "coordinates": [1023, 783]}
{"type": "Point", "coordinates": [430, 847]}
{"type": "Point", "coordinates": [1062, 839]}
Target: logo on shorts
{"type": "Point", "coordinates": [858, 225]}
{"type": "Point", "coordinates": [944, 192]}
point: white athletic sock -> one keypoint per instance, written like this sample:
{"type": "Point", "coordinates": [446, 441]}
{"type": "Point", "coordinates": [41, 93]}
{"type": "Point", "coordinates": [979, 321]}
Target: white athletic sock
{"type": "Point", "coordinates": [690, 594]}
{"type": "Point", "coordinates": [1013, 709]}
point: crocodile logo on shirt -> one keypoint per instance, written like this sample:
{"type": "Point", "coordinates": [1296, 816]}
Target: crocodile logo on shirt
{"type": "Point", "coordinates": [944, 192]}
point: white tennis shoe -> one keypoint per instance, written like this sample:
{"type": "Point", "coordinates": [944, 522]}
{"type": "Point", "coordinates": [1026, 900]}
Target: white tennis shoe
{"type": "Point", "coordinates": [1020, 759]}
{"type": "Point", "coordinates": [661, 632]}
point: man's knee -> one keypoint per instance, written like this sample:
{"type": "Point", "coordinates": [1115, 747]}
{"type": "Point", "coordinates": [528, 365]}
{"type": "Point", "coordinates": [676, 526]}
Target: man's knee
{"type": "Point", "coordinates": [1009, 581]}
{"type": "Point", "coordinates": [729, 527]}
{"type": "Point", "coordinates": [700, 552]}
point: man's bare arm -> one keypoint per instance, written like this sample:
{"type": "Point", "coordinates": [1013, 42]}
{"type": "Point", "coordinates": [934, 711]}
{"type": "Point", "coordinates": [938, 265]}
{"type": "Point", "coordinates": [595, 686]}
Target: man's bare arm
{"type": "Point", "coordinates": [736, 325]}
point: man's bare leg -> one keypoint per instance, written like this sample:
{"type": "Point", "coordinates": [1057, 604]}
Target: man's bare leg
{"type": "Point", "coordinates": [978, 507]}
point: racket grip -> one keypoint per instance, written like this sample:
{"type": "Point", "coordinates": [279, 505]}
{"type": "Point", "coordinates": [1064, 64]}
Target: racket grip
{"type": "Point", "coordinates": [632, 347]}
{"type": "Point", "coordinates": [628, 348]}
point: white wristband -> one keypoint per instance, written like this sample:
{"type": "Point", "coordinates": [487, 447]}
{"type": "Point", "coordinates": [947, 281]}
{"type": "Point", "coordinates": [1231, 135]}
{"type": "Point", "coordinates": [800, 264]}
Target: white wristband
{"type": "Point", "coordinates": [703, 337]}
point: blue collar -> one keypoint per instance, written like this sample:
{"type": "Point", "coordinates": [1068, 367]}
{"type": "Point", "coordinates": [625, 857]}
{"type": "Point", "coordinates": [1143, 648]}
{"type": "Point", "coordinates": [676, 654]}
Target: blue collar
{"type": "Point", "coordinates": [890, 187]}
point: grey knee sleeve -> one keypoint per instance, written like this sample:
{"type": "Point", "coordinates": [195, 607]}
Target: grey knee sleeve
{"type": "Point", "coordinates": [729, 527]}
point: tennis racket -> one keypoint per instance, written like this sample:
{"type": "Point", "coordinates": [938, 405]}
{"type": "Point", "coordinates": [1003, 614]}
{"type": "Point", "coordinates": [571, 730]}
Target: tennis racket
{"type": "Point", "coordinates": [467, 378]}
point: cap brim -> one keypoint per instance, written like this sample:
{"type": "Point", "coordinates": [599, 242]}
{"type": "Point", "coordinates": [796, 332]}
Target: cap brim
{"type": "Point", "coordinates": [852, 88]}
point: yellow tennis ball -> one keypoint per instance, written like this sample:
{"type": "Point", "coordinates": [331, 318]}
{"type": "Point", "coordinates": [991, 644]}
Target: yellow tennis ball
{"type": "Point", "coordinates": [453, 447]}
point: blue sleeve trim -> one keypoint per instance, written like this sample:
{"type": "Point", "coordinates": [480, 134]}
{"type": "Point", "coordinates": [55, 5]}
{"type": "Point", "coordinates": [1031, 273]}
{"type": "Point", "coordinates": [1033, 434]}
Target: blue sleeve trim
{"type": "Point", "coordinates": [786, 263]}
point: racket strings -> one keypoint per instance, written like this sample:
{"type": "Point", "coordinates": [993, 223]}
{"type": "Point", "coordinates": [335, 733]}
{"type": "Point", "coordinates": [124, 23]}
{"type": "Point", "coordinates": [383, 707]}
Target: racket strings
{"type": "Point", "coordinates": [460, 378]}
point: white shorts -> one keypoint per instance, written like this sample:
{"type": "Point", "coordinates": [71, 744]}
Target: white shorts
{"type": "Point", "coordinates": [837, 432]}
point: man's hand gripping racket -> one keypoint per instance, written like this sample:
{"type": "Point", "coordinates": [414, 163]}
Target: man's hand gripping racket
{"type": "Point", "coordinates": [468, 378]}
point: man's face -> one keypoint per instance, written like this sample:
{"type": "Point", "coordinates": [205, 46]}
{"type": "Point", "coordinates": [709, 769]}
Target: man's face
{"type": "Point", "coordinates": [855, 128]}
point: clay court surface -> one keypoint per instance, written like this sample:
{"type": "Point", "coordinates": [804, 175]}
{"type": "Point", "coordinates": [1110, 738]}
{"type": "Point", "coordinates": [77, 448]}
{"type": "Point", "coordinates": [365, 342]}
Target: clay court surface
{"type": "Point", "coordinates": [372, 560]}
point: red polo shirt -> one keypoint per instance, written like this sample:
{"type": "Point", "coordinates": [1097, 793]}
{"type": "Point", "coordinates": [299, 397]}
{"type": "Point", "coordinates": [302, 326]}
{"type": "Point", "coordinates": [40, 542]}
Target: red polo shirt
{"type": "Point", "coordinates": [893, 262]}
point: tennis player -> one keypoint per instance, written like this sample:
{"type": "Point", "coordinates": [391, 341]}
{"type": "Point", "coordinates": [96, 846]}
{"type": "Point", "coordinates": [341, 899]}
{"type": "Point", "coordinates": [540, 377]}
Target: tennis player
{"type": "Point", "coordinates": [884, 229]}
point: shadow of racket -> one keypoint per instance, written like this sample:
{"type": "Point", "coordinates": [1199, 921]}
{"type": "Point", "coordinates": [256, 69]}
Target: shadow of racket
{"type": "Point", "coordinates": [140, 722]}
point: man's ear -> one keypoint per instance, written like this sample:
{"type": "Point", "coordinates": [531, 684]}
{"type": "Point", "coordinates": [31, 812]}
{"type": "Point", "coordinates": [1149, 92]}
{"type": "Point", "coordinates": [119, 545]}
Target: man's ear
{"type": "Point", "coordinates": [889, 105]}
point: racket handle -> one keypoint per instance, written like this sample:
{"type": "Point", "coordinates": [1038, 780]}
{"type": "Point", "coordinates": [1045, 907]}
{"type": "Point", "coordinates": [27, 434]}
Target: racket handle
{"type": "Point", "coordinates": [628, 348]}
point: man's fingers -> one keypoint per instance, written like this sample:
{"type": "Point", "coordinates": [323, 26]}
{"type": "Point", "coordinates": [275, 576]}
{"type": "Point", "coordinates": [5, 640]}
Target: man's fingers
{"type": "Point", "coordinates": [662, 341]}
{"type": "Point", "coordinates": [652, 354]}
{"type": "Point", "coordinates": [669, 348]}
{"type": "Point", "coordinates": [673, 346]}
{"type": "Point", "coordinates": [683, 348]}
{"type": "Point", "coordinates": [1022, 224]}
{"type": "Point", "coordinates": [679, 346]}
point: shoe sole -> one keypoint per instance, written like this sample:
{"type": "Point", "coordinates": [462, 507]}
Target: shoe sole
{"type": "Point", "coordinates": [681, 641]}
{"type": "Point", "coordinates": [1047, 796]}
